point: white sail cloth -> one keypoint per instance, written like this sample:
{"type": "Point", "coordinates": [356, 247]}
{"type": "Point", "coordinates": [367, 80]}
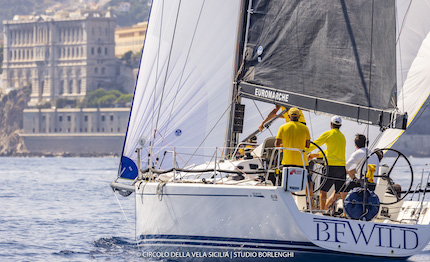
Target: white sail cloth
{"type": "Point", "coordinates": [183, 90]}
{"type": "Point", "coordinates": [413, 62]}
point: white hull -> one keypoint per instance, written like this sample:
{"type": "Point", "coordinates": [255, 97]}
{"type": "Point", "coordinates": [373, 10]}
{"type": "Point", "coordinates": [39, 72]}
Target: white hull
{"type": "Point", "coordinates": [209, 218]}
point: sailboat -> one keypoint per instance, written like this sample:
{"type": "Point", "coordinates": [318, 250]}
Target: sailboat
{"type": "Point", "coordinates": [211, 70]}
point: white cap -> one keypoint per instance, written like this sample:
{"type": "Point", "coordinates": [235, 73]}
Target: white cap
{"type": "Point", "coordinates": [336, 120]}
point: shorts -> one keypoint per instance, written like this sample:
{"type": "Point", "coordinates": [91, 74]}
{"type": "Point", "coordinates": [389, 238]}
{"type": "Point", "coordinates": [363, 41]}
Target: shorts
{"type": "Point", "coordinates": [338, 173]}
{"type": "Point", "coordinates": [351, 185]}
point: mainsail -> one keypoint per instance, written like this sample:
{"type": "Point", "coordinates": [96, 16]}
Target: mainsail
{"type": "Point", "coordinates": [185, 80]}
{"type": "Point", "coordinates": [331, 56]}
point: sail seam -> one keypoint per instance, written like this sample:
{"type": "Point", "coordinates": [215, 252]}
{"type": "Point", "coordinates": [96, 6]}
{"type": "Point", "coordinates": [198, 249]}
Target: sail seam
{"type": "Point", "coordinates": [167, 68]}
{"type": "Point", "coordinates": [185, 64]}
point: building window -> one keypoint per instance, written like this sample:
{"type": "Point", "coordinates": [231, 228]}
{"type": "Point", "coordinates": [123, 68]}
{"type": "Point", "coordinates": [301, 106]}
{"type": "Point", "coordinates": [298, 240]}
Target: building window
{"type": "Point", "coordinates": [69, 118]}
{"type": "Point", "coordinates": [103, 70]}
{"type": "Point", "coordinates": [61, 87]}
{"type": "Point", "coordinates": [60, 119]}
{"type": "Point", "coordinates": [106, 51]}
{"type": "Point", "coordinates": [86, 118]}
{"type": "Point", "coordinates": [111, 117]}
{"type": "Point", "coordinates": [99, 50]}
{"type": "Point", "coordinates": [96, 70]}
{"type": "Point", "coordinates": [92, 50]}
{"type": "Point", "coordinates": [103, 118]}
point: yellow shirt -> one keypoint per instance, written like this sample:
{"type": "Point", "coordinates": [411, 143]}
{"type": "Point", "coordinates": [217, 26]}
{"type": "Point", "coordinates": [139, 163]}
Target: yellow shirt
{"type": "Point", "coordinates": [293, 135]}
{"type": "Point", "coordinates": [335, 142]}
{"type": "Point", "coordinates": [287, 118]}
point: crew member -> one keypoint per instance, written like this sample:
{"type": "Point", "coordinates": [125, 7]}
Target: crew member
{"type": "Point", "coordinates": [294, 134]}
{"type": "Point", "coordinates": [273, 113]}
{"type": "Point", "coordinates": [360, 158]}
{"type": "Point", "coordinates": [335, 153]}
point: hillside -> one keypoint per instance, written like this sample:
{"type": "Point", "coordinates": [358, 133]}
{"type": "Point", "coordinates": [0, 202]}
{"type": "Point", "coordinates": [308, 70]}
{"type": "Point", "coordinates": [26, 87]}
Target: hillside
{"type": "Point", "coordinates": [128, 12]}
{"type": "Point", "coordinates": [25, 7]}
{"type": "Point", "coordinates": [11, 122]}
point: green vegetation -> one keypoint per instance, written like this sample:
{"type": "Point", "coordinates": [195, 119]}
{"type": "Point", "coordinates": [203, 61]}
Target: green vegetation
{"type": "Point", "coordinates": [103, 98]}
{"type": "Point", "coordinates": [64, 102]}
{"type": "Point", "coordinates": [131, 60]}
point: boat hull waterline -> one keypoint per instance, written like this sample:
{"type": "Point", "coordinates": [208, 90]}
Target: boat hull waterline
{"type": "Point", "coordinates": [257, 219]}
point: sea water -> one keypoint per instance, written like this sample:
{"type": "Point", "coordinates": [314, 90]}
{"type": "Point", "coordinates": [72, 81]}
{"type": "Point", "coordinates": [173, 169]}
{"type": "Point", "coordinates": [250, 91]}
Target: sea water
{"type": "Point", "coordinates": [63, 209]}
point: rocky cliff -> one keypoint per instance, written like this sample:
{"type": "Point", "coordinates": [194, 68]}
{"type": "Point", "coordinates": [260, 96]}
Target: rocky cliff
{"type": "Point", "coordinates": [11, 122]}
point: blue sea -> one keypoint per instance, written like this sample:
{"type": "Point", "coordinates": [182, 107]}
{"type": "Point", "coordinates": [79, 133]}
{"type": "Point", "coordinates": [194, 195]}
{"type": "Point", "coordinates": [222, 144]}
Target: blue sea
{"type": "Point", "coordinates": [63, 209]}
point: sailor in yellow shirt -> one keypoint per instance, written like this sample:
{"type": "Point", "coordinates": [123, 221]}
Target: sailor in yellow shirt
{"type": "Point", "coordinates": [335, 153]}
{"type": "Point", "coordinates": [272, 114]}
{"type": "Point", "coordinates": [293, 134]}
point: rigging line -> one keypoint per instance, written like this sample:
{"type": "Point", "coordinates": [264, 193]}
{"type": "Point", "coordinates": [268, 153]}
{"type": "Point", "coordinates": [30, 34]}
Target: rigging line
{"type": "Point", "coordinates": [125, 216]}
{"type": "Point", "coordinates": [403, 21]}
{"type": "Point", "coordinates": [167, 69]}
{"type": "Point", "coordinates": [156, 71]}
{"type": "Point", "coordinates": [370, 69]}
{"type": "Point", "coordinates": [298, 48]}
{"type": "Point", "coordinates": [169, 145]}
{"type": "Point", "coordinates": [235, 167]}
{"type": "Point", "coordinates": [221, 117]}
{"type": "Point", "coordinates": [355, 50]}
{"type": "Point", "coordinates": [262, 117]}
{"type": "Point", "coordinates": [400, 53]}
{"type": "Point", "coordinates": [185, 64]}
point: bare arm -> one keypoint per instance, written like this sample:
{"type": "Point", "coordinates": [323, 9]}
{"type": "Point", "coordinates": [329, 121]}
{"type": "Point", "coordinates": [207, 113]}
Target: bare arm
{"type": "Point", "coordinates": [271, 115]}
{"type": "Point", "coordinates": [351, 173]}
{"type": "Point", "coordinates": [278, 142]}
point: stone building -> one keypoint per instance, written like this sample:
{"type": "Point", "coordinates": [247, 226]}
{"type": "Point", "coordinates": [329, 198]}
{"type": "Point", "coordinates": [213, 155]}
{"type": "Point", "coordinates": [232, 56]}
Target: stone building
{"type": "Point", "coordinates": [60, 56]}
{"type": "Point", "coordinates": [75, 130]}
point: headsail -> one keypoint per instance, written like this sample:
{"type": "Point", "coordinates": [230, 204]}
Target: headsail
{"type": "Point", "coordinates": [329, 56]}
{"type": "Point", "coordinates": [185, 77]}
{"type": "Point", "coordinates": [413, 61]}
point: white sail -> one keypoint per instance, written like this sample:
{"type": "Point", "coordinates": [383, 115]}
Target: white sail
{"type": "Point", "coordinates": [413, 62]}
{"type": "Point", "coordinates": [183, 90]}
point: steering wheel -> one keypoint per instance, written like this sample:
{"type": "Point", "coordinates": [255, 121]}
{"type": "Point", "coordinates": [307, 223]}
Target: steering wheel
{"type": "Point", "coordinates": [317, 168]}
{"type": "Point", "coordinates": [388, 175]}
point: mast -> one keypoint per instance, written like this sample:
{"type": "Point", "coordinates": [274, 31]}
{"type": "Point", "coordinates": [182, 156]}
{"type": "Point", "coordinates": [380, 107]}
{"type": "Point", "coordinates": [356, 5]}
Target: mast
{"type": "Point", "coordinates": [237, 110]}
